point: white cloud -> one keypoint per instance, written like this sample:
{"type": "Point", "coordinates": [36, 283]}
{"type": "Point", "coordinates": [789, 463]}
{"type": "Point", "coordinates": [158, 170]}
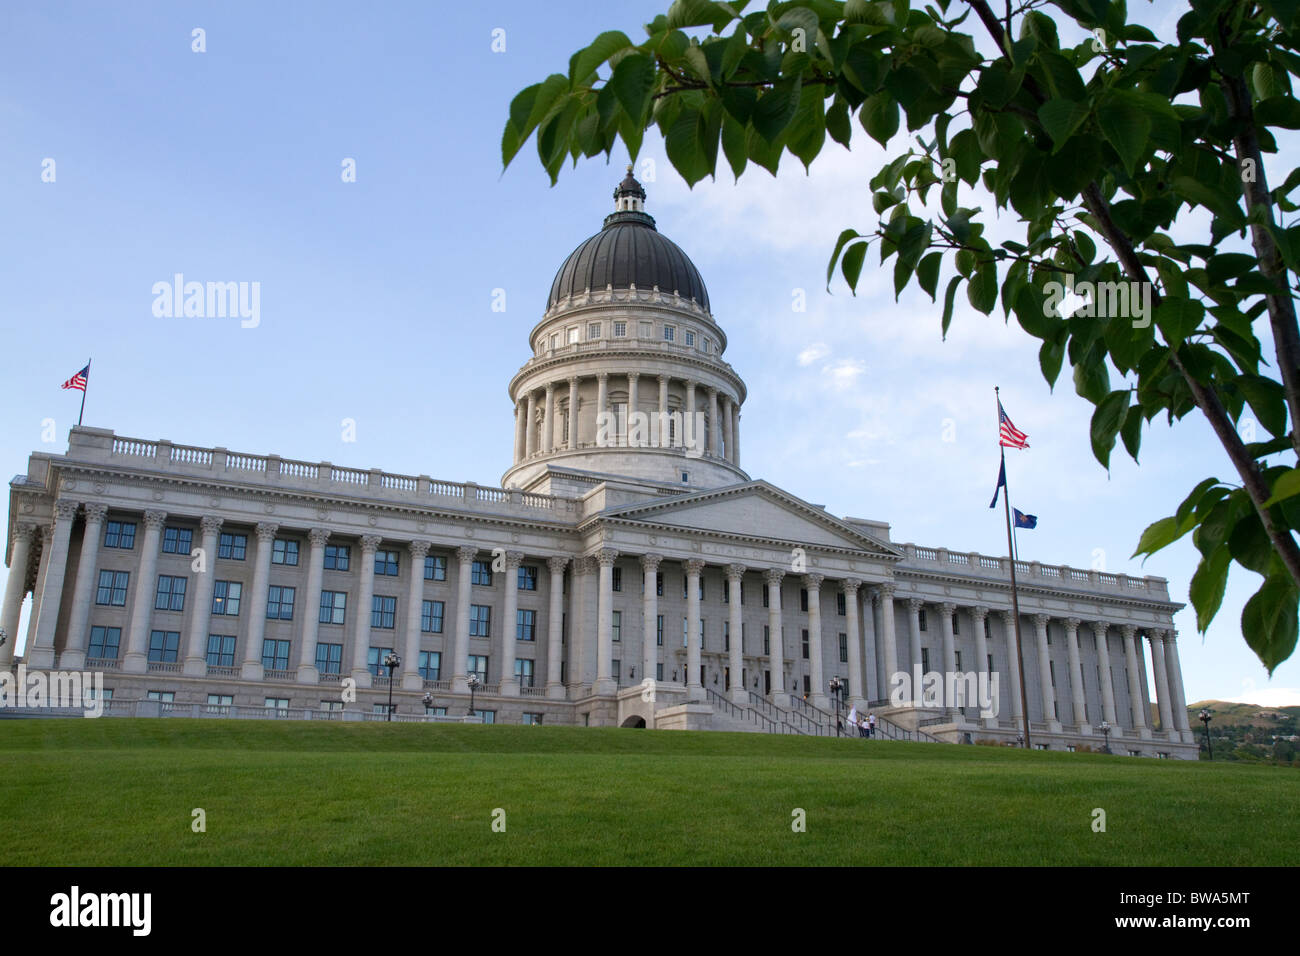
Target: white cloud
{"type": "Point", "coordinates": [814, 353]}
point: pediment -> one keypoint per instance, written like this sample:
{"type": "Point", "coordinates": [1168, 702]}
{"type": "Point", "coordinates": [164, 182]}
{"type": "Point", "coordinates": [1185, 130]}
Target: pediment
{"type": "Point", "coordinates": [754, 510]}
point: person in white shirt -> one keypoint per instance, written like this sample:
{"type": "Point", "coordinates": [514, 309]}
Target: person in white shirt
{"type": "Point", "coordinates": [852, 719]}
{"type": "Point", "coordinates": [871, 725]}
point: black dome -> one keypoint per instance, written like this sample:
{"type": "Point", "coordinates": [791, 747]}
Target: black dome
{"type": "Point", "coordinates": [628, 250]}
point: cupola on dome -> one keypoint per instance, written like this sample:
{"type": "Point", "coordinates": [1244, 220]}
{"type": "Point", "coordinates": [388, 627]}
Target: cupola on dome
{"type": "Point", "coordinates": [629, 251]}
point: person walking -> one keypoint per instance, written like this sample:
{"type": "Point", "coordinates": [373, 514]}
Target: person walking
{"type": "Point", "coordinates": [871, 724]}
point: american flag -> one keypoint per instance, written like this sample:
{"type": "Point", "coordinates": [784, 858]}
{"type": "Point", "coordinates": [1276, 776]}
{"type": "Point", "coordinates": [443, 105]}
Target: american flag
{"type": "Point", "coordinates": [78, 380]}
{"type": "Point", "coordinates": [1009, 435]}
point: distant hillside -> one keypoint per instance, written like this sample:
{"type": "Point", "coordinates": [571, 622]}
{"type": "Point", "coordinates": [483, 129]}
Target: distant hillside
{"type": "Point", "coordinates": [1249, 732]}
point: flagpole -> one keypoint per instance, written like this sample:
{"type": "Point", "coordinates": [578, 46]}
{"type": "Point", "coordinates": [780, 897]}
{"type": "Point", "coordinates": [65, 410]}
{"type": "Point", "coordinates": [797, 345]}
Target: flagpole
{"type": "Point", "coordinates": [1015, 595]}
{"type": "Point", "coordinates": [83, 394]}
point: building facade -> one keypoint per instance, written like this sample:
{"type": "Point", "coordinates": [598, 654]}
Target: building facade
{"type": "Point", "coordinates": [627, 572]}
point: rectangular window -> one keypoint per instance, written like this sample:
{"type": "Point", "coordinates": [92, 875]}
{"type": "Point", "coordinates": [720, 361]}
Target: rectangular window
{"type": "Point", "coordinates": [956, 624]}
{"type": "Point", "coordinates": [119, 534]}
{"type": "Point", "coordinates": [616, 670]}
{"type": "Point", "coordinates": [278, 704]}
{"type": "Point", "coordinates": [803, 599]}
{"type": "Point", "coordinates": [659, 671]}
{"type": "Point", "coordinates": [171, 593]}
{"type": "Point", "coordinates": [386, 563]}
{"type": "Point", "coordinates": [480, 620]}
{"type": "Point", "coordinates": [726, 592]}
{"type": "Point", "coordinates": [435, 567]}
{"type": "Point", "coordinates": [375, 661]}
{"type": "Point", "coordinates": [525, 624]}
{"type": "Point", "coordinates": [225, 597]}
{"type": "Point", "coordinates": [279, 604]}
{"type": "Point", "coordinates": [221, 650]}
{"type": "Point", "coordinates": [383, 611]}
{"type": "Point", "coordinates": [765, 589]}
{"type": "Point", "coordinates": [220, 703]}
{"type": "Point", "coordinates": [617, 627]}
{"type": "Point", "coordinates": [431, 617]}
{"type": "Point", "coordinates": [177, 540]}
{"type": "Point", "coordinates": [430, 665]}
{"type": "Point", "coordinates": [337, 557]}
{"type": "Point", "coordinates": [957, 659]}
{"type": "Point", "coordinates": [329, 658]}
{"type": "Point", "coordinates": [478, 664]}
{"type": "Point", "coordinates": [572, 335]}
{"type": "Point", "coordinates": [920, 617]}
{"type": "Point", "coordinates": [284, 551]}
{"type": "Point", "coordinates": [528, 577]}
{"type": "Point", "coordinates": [593, 330]}
{"type": "Point", "coordinates": [925, 660]}
{"type": "Point", "coordinates": [659, 584]}
{"type": "Point", "coordinates": [767, 640]}
{"type": "Point", "coordinates": [659, 630]}
{"type": "Point", "coordinates": [620, 329]}
{"type": "Point", "coordinates": [532, 720]}
{"type": "Point", "coordinates": [840, 607]}
{"type": "Point", "coordinates": [275, 655]}
{"type": "Point", "coordinates": [333, 606]}
{"type": "Point", "coordinates": [104, 643]}
{"type": "Point", "coordinates": [524, 671]}
{"type": "Point", "coordinates": [617, 578]}
{"type": "Point", "coordinates": [844, 648]}
{"type": "Point", "coordinates": [805, 643]}
{"type": "Point", "coordinates": [690, 338]}
{"type": "Point", "coordinates": [726, 635]}
{"type": "Point", "coordinates": [684, 632]}
{"type": "Point", "coordinates": [489, 716]}
{"type": "Point", "coordinates": [670, 333]}
{"type": "Point", "coordinates": [112, 588]}
{"type": "Point", "coordinates": [232, 546]}
{"type": "Point", "coordinates": [480, 573]}
{"type": "Point", "coordinates": [163, 646]}
{"type": "Point", "coordinates": [166, 696]}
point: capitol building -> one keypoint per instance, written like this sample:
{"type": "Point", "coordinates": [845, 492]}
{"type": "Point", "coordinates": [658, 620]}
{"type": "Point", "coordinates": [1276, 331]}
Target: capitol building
{"type": "Point", "coordinates": [627, 571]}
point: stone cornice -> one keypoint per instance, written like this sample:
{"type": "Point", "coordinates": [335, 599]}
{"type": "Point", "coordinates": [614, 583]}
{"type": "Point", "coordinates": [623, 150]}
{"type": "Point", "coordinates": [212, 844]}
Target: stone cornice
{"type": "Point", "coordinates": [904, 575]}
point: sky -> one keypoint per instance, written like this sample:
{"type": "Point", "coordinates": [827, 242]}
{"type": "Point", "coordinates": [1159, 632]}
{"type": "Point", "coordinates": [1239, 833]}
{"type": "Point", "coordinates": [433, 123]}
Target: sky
{"type": "Point", "coordinates": [377, 295]}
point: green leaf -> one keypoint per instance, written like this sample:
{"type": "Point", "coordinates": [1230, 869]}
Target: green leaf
{"type": "Point", "coordinates": [1106, 422]}
{"type": "Point", "coordinates": [806, 134]}
{"type": "Point", "coordinates": [851, 266]}
{"type": "Point", "coordinates": [1160, 534]}
{"type": "Point", "coordinates": [845, 236]}
{"type": "Point", "coordinates": [1178, 318]}
{"type": "Point", "coordinates": [1287, 486]}
{"type": "Point", "coordinates": [927, 273]}
{"type": "Point", "coordinates": [1249, 543]}
{"type": "Point", "coordinates": [1267, 400]}
{"type": "Point", "coordinates": [1208, 584]}
{"type": "Point", "coordinates": [1131, 431]}
{"type": "Point", "coordinates": [948, 297]}
{"type": "Point", "coordinates": [1268, 621]}
{"type": "Point", "coordinates": [1050, 358]}
{"type": "Point", "coordinates": [632, 81]}
{"type": "Point", "coordinates": [583, 63]}
{"type": "Point", "coordinates": [733, 146]}
{"type": "Point", "coordinates": [879, 117]}
{"type": "Point", "coordinates": [837, 122]}
{"type": "Point", "coordinates": [1126, 127]}
{"type": "Point", "coordinates": [684, 145]}
{"type": "Point", "coordinates": [982, 292]}
{"type": "Point", "coordinates": [1091, 380]}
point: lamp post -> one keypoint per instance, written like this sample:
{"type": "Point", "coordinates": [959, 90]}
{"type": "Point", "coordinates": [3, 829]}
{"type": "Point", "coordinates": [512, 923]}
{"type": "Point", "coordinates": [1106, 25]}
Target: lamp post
{"type": "Point", "coordinates": [1105, 733]}
{"type": "Point", "coordinates": [473, 683]}
{"type": "Point", "coordinates": [428, 705]}
{"type": "Point", "coordinates": [392, 662]}
{"type": "Point", "coordinates": [1205, 719]}
{"type": "Point", "coordinates": [835, 686]}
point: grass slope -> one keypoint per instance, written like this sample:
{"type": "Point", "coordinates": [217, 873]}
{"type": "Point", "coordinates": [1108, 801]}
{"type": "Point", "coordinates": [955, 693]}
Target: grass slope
{"type": "Point", "coordinates": [121, 791]}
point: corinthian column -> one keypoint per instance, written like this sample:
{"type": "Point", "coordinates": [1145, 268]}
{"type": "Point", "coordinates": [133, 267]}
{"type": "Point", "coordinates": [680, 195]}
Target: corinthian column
{"type": "Point", "coordinates": [74, 653]}
{"type": "Point", "coordinates": [728, 422]}
{"type": "Point", "coordinates": [694, 689]}
{"type": "Point", "coordinates": [715, 429]}
{"type": "Point", "coordinates": [521, 430]}
{"type": "Point", "coordinates": [889, 636]}
{"type": "Point", "coordinates": [1135, 695]}
{"type": "Point", "coordinates": [692, 440]}
{"type": "Point", "coordinates": [1077, 702]}
{"type": "Point", "coordinates": [411, 679]}
{"type": "Point", "coordinates": [137, 648]}
{"type": "Point", "coordinates": [1013, 663]}
{"type": "Point", "coordinates": [736, 631]}
{"type": "Point", "coordinates": [813, 585]}
{"type": "Point", "coordinates": [41, 654]}
{"type": "Point", "coordinates": [914, 633]}
{"type": "Point", "coordinates": [649, 614]}
{"type": "Point", "coordinates": [1176, 678]}
{"type": "Point", "coordinates": [509, 627]}
{"type": "Point", "coordinates": [605, 624]}
{"type": "Point", "coordinates": [573, 413]}
{"type": "Point", "coordinates": [979, 615]}
{"type": "Point", "coordinates": [530, 431]}
{"type": "Point", "coordinates": [1099, 629]}
{"type": "Point", "coordinates": [776, 659]}
{"type": "Point", "coordinates": [857, 686]}
{"type": "Point", "coordinates": [307, 673]}
{"type": "Point", "coordinates": [252, 667]}
{"type": "Point", "coordinates": [361, 618]}
{"type": "Point", "coordinates": [460, 666]}
{"type": "Point", "coordinates": [946, 611]}
{"type": "Point", "coordinates": [554, 628]}
{"type": "Point", "coordinates": [15, 590]}
{"type": "Point", "coordinates": [633, 401]}
{"type": "Point", "coordinates": [196, 656]}
{"type": "Point", "coordinates": [602, 403]}
{"type": "Point", "coordinates": [1045, 675]}
{"type": "Point", "coordinates": [548, 421]}
{"type": "Point", "coordinates": [1164, 696]}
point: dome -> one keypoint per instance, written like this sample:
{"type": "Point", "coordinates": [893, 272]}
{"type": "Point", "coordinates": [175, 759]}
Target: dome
{"type": "Point", "coordinates": [629, 251]}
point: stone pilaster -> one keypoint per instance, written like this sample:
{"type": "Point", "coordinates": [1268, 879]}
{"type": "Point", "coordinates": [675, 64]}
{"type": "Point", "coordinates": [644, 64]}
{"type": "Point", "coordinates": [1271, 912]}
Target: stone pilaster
{"type": "Point", "coordinates": [554, 628]}
{"type": "Point", "coordinates": [649, 614]}
{"type": "Point", "coordinates": [736, 631]}
{"type": "Point", "coordinates": [205, 581]}
{"type": "Point", "coordinates": [509, 626]}
{"type": "Point", "coordinates": [15, 590]}
{"type": "Point", "coordinates": [411, 679]}
{"type": "Point", "coordinates": [136, 660]}
{"type": "Point", "coordinates": [694, 688]}
{"type": "Point", "coordinates": [813, 585]}
{"type": "Point", "coordinates": [776, 655]}
{"type": "Point", "coordinates": [252, 666]}
{"type": "Point", "coordinates": [316, 540]}
{"type": "Point", "coordinates": [605, 684]}
{"type": "Point", "coordinates": [41, 654]}
{"type": "Point", "coordinates": [74, 654]}
{"type": "Point", "coordinates": [460, 665]}
{"type": "Point", "coordinates": [1078, 704]}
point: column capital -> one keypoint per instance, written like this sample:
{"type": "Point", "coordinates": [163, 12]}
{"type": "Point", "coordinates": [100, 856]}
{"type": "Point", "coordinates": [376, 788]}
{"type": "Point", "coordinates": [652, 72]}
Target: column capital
{"type": "Point", "coordinates": [633, 376]}
{"type": "Point", "coordinates": [550, 389]}
{"type": "Point", "coordinates": [602, 377]}
{"type": "Point", "coordinates": [573, 381]}
{"type": "Point", "coordinates": [24, 531]}
{"type": "Point", "coordinates": [735, 571]}
{"type": "Point", "coordinates": [650, 562]}
{"type": "Point", "coordinates": [915, 604]}
{"type": "Point", "coordinates": [886, 591]}
{"type": "Point", "coordinates": [850, 586]}
{"type": "Point", "coordinates": [466, 553]}
{"type": "Point", "coordinates": [1129, 631]}
{"type": "Point", "coordinates": [773, 575]}
{"type": "Point", "coordinates": [585, 564]}
{"type": "Point", "coordinates": [266, 531]}
{"type": "Point", "coordinates": [693, 566]}
{"type": "Point", "coordinates": [65, 509]}
{"type": "Point", "coordinates": [210, 524]}
{"type": "Point", "coordinates": [1099, 627]}
{"type": "Point", "coordinates": [557, 563]}
{"type": "Point", "coordinates": [606, 557]}
{"type": "Point", "coordinates": [665, 378]}
{"type": "Point", "coordinates": [95, 512]}
{"type": "Point", "coordinates": [1072, 624]}
{"type": "Point", "coordinates": [979, 612]}
{"type": "Point", "coordinates": [370, 543]}
{"type": "Point", "coordinates": [513, 560]}
{"type": "Point", "coordinates": [417, 549]}
{"type": "Point", "coordinates": [690, 383]}
{"type": "Point", "coordinates": [1042, 619]}
{"type": "Point", "coordinates": [154, 520]}
{"type": "Point", "coordinates": [317, 536]}
{"type": "Point", "coordinates": [813, 582]}
{"type": "Point", "coordinates": [712, 392]}
{"type": "Point", "coordinates": [948, 608]}
{"type": "Point", "coordinates": [1158, 635]}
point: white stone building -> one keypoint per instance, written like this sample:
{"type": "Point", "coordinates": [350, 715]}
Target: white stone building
{"type": "Point", "coordinates": [626, 543]}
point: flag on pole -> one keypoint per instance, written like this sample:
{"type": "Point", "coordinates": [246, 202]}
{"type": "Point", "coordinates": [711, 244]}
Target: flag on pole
{"type": "Point", "coordinates": [78, 380]}
{"type": "Point", "coordinates": [1002, 483]}
{"type": "Point", "coordinates": [1008, 434]}
{"type": "Point", "coordinates": [1023, 520]}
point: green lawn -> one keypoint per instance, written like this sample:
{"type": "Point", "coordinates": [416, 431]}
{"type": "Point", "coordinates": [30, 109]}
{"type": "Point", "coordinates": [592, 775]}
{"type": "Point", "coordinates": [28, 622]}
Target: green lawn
{"type": "Point", "coordinates": [121, 791]}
